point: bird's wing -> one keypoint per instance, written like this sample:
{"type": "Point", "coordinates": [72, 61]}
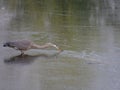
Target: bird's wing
{"type": "Point", "coordinates": [21, 44]}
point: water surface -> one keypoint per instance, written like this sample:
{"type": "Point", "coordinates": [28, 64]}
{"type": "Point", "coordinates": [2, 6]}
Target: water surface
{"type": "Point", "coordinates": [87, 31]}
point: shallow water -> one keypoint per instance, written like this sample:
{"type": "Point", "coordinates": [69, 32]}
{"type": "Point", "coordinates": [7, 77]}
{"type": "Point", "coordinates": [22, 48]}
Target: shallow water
{"type": "Point", "coordinates": [88, 32]}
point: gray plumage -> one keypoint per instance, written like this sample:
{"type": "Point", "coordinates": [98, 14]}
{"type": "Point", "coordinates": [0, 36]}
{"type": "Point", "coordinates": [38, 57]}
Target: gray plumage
{"type": "Point", "coordinates": [24, 45]}
{"type": "Point", "coordinates": [19, 45]}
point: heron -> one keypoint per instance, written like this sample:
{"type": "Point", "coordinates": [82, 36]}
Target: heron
{"type": "Point", "coordinates": [24, 45]}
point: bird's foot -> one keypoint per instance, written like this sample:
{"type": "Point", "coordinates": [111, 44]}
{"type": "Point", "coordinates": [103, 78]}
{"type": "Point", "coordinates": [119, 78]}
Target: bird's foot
{"type": "Point", "coordinates": [22, 54]}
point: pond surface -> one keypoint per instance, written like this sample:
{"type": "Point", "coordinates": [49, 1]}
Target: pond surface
{"type": "Point", "coordinates": [87, 31]}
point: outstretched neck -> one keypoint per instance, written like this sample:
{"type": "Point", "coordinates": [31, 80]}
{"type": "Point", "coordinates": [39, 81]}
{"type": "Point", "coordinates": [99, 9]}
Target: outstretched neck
{"type": "Point", "coordinates": [35, 46]}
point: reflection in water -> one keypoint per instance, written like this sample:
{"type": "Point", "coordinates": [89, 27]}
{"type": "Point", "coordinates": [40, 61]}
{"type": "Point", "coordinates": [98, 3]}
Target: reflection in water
{"type": "Point", "coordinates": [26, 59]}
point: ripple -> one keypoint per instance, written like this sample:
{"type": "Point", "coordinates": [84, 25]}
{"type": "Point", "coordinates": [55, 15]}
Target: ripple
{"type": "Point", "coordinates": [84, 55]}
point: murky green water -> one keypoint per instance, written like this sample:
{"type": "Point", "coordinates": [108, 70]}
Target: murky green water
{"type": "Point", "coordinates": [87, 31]}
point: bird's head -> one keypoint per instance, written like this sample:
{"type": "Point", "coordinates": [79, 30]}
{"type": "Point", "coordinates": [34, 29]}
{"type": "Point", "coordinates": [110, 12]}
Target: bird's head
{"type": "Point", "coordinates": [53, 45]}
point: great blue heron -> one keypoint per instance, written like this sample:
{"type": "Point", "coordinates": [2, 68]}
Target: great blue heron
{"type": "Point", "coordinates": [23, 45]}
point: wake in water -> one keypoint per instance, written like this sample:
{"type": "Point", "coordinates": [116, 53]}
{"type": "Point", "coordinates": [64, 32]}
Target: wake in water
{"type": "Point", "coordinates": [84, 55]}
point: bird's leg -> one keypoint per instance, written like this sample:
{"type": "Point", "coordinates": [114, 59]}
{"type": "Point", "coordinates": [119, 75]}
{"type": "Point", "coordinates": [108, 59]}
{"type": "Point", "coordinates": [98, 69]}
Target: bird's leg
{"type": "Point", "coordinates": [22, 52]}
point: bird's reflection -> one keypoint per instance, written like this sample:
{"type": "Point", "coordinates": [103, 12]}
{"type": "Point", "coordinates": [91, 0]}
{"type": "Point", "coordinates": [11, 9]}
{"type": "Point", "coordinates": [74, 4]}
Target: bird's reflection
{"type": "Point", "coordinates": [27, 59]}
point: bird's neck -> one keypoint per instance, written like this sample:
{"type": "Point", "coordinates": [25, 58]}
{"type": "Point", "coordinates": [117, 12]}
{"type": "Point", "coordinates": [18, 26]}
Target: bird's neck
{"type": "Point", "coordinates": [35, 46]}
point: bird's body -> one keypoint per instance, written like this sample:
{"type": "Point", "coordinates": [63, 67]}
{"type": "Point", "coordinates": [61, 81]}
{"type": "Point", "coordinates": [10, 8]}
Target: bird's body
{"type": "Point", "coordinates": [19, 44]}
{"type": "Point", "coordinates": [24, 45]}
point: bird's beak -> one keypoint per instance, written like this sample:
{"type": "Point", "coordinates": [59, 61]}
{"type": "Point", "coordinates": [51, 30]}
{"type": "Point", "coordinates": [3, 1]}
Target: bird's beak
{"type": "Point", "coordinates": [55, 46]}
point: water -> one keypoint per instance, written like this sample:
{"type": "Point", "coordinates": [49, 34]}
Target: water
{"type": "Point", "coordinates": [87, 31]}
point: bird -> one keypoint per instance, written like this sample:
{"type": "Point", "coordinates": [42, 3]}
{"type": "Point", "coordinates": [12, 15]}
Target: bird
{"type": "Point", "coordinates": [24, 45]}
